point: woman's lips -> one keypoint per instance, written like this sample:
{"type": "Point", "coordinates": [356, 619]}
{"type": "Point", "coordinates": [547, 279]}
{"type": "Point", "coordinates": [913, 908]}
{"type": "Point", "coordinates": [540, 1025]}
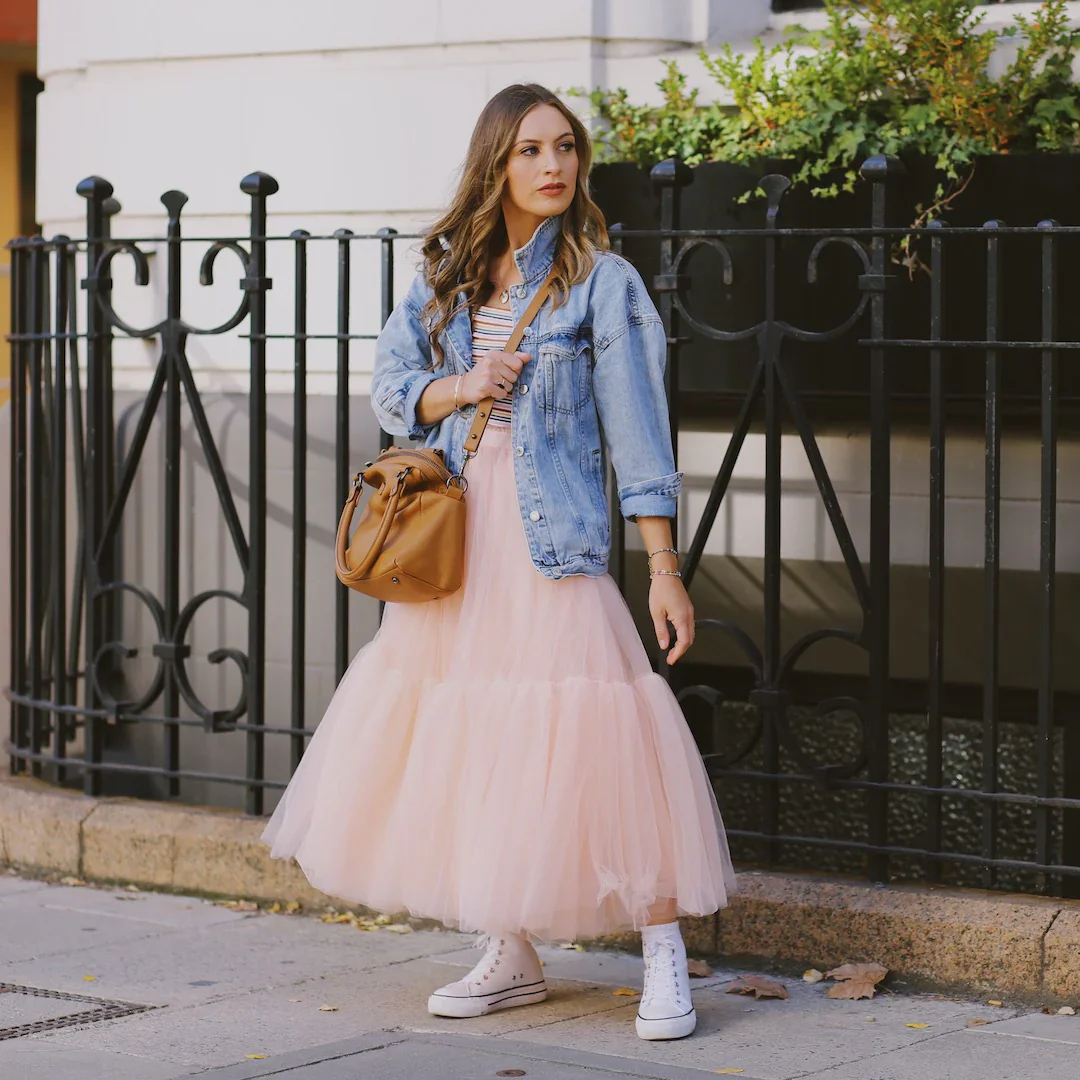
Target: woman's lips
{"type": "Point", "coordinates": [553, 189]}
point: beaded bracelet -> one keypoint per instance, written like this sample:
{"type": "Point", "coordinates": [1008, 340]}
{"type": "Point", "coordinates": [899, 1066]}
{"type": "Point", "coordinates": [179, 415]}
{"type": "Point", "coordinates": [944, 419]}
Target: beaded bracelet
{"type": "Point", "coordinates": [661, 551]}
{"type": "Point", "coordinates": [664, 573]}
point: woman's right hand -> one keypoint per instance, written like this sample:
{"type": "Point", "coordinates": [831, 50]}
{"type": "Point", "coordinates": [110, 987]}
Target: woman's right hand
{"type": "Point", "coordinates": [492, 376]}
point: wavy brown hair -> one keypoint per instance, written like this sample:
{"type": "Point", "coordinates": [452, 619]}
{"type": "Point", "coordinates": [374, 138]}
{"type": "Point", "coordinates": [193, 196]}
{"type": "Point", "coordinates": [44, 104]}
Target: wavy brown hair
{"type": "Point", "coordinates": [460, 246]}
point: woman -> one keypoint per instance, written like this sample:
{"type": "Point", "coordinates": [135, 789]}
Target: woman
{"type": "Point", "coordinates": [505, 760]}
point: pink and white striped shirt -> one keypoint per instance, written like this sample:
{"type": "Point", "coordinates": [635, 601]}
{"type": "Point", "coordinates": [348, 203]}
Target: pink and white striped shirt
{"type": "Point", "coordinates": [492, 328]}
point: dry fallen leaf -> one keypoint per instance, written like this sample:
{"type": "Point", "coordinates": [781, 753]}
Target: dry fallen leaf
{"type": "Point", "coordinates": [759, 986]}
{"type": "Point", "coordinates": [729, 1072]}
{"type": "Point", "coordinates": [89, 978]}
{"type": "Point", "coordinates": [573, 946]}
{"type": "Point", "coordinates": [255, 1057]}
{"type": "Point", "coordinates": [698, 969]}
{"type": "Point", "coordinates": [238, 905]}
{"type": "Point", "coordinates": [855, 981]}
{"type": "Point", "coordinates": [274, 908]}
{"type": "Point", "coordinates": [132, 888]}
{"type": "Point", "coordinates": [333, 917]}
{"type": "Point", "coordinates": [812, 976]}
{"type": "Point", "coordinates": [328, 1008]}
{"type": "Point", "coordinates": [295, 1000]}
{"type": "Point", "coordinates": [399, 928]}
{"type": "Point", "coordinates": [383, 920]}
{"type": "Point", "coordinates": [996, 1004]}
{"type": "Point", "coordinates": [1066, 1010]}
{"type": "Point", "coordinates": [625, 991]}
{"type": "Point", "coordinates": [852, 989]}
{"type": "Point", "coordinates": [72, 881]}
{"type": "Point", "coordinates": [292, 907]}
{"type": "Point", "coordinates": [918, 1027]}
{"type": "Point", "coordinates": [977, 1023]}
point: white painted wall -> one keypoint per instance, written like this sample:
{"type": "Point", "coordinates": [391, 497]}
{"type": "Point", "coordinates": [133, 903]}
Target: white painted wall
{"type": "Point", "coordinates": [356, 107]}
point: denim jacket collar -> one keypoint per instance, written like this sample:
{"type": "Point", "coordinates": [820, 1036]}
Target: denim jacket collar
{"type": "Point", "coordinates": [533, 262]}
{"type": "Point", "coordinates": [535, 258]}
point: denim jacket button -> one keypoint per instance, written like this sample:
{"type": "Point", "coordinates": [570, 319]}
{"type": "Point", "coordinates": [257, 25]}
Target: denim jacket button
{"type": "Point", "coordinates": [523, 388]}
{"type": "Point", "coordinates": [535, 515]}
{"type": "Point", "coordinates": [520, 451]}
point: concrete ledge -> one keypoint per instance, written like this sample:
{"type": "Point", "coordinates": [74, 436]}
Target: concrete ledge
{"type": "Point", "coordinates": [983, 941]}
{"type": "Point", "coordinates": [1004, 945]}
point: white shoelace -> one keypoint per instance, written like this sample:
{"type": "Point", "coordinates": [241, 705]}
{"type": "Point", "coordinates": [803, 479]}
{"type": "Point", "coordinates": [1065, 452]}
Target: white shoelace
{"type": "Point", "coordinates": [661, 975]}
{"type": "Point", "coordinates": [485, 967]}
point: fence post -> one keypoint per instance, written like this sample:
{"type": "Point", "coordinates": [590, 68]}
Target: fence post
{"type": "Point", "coordinates": [95, 191]}
{"type": "Point", "coordinates": [17, 579]}
{"type": "Point", "coordinates": [879, 170]}
{"type": "Point", "coordinates": [260, 186]}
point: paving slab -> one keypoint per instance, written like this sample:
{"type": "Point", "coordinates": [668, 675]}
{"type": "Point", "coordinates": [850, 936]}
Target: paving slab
{"type": "Point", "coordinates": [28, 1059]}
{"type": "Point", "coordinates": [386, 1057]}
{"type": "Point", "coordinates": [966, 1055]}
{"type": "Point", "coordinates": [207, 963]}
{"type": "Point", "coordinates": [775, 1039]}
{"type": "Point", "coordinates": [1060, 1029]}
{"type": "Point", "coordinates": [12, 885]}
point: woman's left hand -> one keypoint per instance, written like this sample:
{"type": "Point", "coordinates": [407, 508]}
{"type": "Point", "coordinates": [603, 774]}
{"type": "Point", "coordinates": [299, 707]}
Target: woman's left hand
{"type": "Point", "coordinates": [669, 602]}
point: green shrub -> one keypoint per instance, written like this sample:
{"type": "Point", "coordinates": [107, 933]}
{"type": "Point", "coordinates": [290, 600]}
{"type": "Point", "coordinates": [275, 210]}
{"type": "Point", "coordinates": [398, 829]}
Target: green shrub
{"type": "Point", "coordinates": [884, 77]}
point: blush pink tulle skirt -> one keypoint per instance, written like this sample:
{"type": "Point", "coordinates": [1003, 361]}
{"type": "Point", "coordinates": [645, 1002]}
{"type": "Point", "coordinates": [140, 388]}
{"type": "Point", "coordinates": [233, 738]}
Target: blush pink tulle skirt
{"type": "Point", "coordinates": [506, 759]}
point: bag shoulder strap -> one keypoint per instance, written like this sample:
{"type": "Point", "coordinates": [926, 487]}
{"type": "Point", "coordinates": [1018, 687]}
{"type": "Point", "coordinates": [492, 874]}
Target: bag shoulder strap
{"type": "Point", "coordinates": [483, 410]}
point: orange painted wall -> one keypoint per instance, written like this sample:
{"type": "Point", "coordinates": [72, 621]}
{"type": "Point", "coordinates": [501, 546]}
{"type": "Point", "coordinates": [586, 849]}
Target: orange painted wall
{"type": "Point", "coordinates": [18, 22]}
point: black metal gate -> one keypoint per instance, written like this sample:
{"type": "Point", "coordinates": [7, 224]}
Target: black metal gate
{"type": "Point", "coordinates": [69, 695]}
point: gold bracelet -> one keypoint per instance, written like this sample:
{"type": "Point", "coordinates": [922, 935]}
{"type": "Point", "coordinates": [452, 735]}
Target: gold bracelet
{"type": "Point", "coordinates": [662, 551]}
{"type": "Point", "coordinates": [664, 573]}
{"type": "Point", "coordinates": [457, 390]}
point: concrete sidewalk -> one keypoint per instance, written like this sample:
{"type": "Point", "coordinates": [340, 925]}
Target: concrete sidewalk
{"type": "Point", "coordinates": [111, 984]}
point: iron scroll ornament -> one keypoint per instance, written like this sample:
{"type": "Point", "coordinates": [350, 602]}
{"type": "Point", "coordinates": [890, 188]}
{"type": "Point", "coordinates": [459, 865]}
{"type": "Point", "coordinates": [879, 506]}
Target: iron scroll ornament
{"type": "Point", "coordinates": [172, 374]}
{"type": "Point", "coordinates": [769, 377]}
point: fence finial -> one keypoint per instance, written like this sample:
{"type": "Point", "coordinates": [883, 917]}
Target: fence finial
{"type": "Point", "coordinates": [671, 173]}
{"type": "Point", "coordinates": [882, 168]}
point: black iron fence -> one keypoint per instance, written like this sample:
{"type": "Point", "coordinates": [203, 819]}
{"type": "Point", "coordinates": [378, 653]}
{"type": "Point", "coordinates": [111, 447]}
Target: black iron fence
{"type": "Point", "coordinates": [831, 766]}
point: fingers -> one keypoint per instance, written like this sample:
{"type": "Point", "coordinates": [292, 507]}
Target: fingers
{"type": "Point", "coordinates": [684, 634]}
{"type": "Point", "coordinates": [493, 369]}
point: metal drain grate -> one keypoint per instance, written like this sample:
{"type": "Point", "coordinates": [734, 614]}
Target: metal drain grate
{"type": "Point", "coordinates": [97, 1009]}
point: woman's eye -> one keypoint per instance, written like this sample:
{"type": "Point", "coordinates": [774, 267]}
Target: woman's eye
{"type": "Point", "coordinates": [567, 146]}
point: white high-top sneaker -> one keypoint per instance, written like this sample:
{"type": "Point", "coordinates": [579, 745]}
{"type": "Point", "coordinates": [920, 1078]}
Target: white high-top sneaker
{"type": "Point", "coordinates": [507, 975]}
{"type": "Point", "coordinates": [666, 1010]}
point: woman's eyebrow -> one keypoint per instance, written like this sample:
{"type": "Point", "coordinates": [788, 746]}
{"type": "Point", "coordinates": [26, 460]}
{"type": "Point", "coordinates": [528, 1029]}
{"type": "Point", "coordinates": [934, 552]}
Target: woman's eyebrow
{"type": "Point", "coordinates": [523, 142]}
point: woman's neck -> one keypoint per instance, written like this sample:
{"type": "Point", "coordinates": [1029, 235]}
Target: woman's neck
{"type": "Point", "coordinates": [520, 227]}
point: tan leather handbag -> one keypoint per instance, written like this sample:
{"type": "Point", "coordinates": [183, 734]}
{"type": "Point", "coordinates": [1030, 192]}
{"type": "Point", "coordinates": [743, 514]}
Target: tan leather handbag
{"type": "Point", "coordinates": [410, 543]}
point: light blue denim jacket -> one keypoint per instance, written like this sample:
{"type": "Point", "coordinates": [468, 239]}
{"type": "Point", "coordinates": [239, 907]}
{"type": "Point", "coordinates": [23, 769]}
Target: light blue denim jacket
{"type": "Point", "coordinates": [596, 364]}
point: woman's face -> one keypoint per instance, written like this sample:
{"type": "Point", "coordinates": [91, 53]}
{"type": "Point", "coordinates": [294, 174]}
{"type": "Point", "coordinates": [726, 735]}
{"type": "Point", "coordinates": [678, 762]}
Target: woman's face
{"type": "Point", "coordinates": [541, 172]}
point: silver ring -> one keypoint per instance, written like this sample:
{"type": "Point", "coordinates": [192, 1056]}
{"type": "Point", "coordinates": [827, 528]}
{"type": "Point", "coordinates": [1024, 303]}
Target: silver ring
{"type": "Point", "coordinates": [460, 481]}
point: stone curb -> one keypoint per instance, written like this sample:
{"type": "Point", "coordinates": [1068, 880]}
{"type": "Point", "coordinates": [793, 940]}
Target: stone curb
{"type": "Point", "coordinates": [1004, 945]}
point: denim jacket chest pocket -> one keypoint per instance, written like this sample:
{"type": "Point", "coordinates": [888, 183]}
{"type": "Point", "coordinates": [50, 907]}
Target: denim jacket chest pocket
{"type": "Point", "coordinates": [565, 367]}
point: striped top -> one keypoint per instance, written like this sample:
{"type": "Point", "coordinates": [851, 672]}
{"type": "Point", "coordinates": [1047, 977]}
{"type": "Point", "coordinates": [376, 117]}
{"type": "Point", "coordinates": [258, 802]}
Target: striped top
{"type": "Point", "coordinates": [492, 328]}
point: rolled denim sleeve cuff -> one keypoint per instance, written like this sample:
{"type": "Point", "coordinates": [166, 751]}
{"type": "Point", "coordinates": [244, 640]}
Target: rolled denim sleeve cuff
{"type": "Point", "coordinates": [651, 498]}
{"type": "Point", "coordinates": [403, 403]}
